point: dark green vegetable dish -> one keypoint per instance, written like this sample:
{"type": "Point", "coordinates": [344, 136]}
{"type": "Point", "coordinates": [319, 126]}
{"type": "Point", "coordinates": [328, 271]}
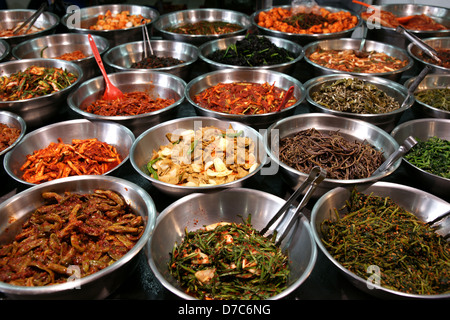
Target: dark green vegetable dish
{"type": "Point", "coordinates": [431, 155]}
{"type": "Point", "coordinates": [436, 98]}
{"type": "Point", "coordinates": [229, 261]}
{"type": "Point", "coordinates": [374, 231]}
{"type": "Point", "coordinates": [353, 95]}
{"type": "Point", "coordinates": [252, 51]}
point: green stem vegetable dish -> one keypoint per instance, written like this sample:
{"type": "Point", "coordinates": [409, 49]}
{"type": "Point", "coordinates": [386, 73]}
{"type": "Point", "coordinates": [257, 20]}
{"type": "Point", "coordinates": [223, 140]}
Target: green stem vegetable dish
{"type": "Point", "coordinates": [411, 256]}
{"type": "Point", "coordinates": [229, 261]}
{"type": "Point", "coordinates": [34, 82]}
{"type": "Point", "coordinates": [437, 98]}
{"type": "Point", "coordinates": [431, 155]}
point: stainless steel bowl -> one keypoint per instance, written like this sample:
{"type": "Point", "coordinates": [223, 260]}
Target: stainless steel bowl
{"type": "Point", "coordinates": [353, 44]}
{"type": "Point", "coordinates": [120, 58]}
{"type": "Point", "coordinates": [352, 129]}
{"type": "Point", "coordinates": [5, 50]}
{"type": "Point", "coordinates": [423, 129]}
{"type": "Point", "coordinates": [431, 81]}
{"type": "Point", "coordinates": [142, 150]}
{"type": "Point", "coordinates": [304, 39]}
{"type": "Point", "coordinates": [222, 44]}
{"type": "Point", "coordinates": [54, 45]}
{"type": "Point", "coordinates": [436, 43]}
{"type": "Point", "coordinates": [101, 284]}
{"type": "Point", "coordinates": [390, 36]}
{"type": "Point", "coordinates": [386, 121]}
{"type": "Point", "coordinates": [182, 17]}
{"type": "Point", "coordinates": [258, 121]}
{"type": "Point", "coordinates": [13, 121]}
{"type": "Point", "coordinates": [423, 205]}
{"type": "Point", "coordinates": [79, 21]}
{"type": "Point", "coordinates": [157, 84]}
{"type": "Point", "coordinates": [112, 133]}
{"type": "Point", "coordinates": [196, 210]}
{"type": "Point", "coordinates": [40, 110]}
{"type": "Point", "coordinates": [11, 18]}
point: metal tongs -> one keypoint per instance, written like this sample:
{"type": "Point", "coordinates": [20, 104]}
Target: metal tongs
{"type": "Point", "coordinates": [146, 41]}
{"type": "Point", "coordinates": [404, 148]}
{"type": "Point", "coordinates": [32, 19]}
{"type": "Point", "coordinates": [315, 177]}
{"type": "Point", "coordinates": [418, 42]}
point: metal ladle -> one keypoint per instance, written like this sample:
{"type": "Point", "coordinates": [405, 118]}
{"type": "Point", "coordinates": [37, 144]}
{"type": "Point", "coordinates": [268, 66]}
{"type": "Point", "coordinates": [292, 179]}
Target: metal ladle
{"type": "Point", "coordinates": [361, 53]}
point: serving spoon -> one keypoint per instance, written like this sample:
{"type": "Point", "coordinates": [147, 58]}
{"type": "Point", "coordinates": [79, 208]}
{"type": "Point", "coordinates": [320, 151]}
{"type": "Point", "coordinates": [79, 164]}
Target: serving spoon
{"type": "Point", "coordinates": [111, 91]}
{"type": "Point", "coordinates": [361, 53]}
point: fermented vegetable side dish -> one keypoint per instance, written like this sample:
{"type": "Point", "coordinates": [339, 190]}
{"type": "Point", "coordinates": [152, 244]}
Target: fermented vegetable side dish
{"type": "Point", "coordinates": [71, 232]}
{"type": "Point", "coordinates": [431, 155]}
{"type": "Point", "coordinates": [376, 231]}
{"type": "Point", "coordinates": [245, 98]}
{"type": "Point", "coordinates": [354, 96]}
{"type": "Point", "coordinates": [34, 82]}
{"type": "Point", "coordinates": [316, 22]}
{"type": "Point", "coordinates": [341, 158]}
{"type": "Point", "coordinates": [347, 60]}
{"type": "Point", "coordinates": [205, 157]}
{"type": "Point", "coordinates": [437, 98]}
{"type": "Point", "coordinates": [229, 261]}
{"type": "Point", "coordinates": [117, 21]}
{"type": "Point", "coordinates": [205, 28]}
{"type": "Point", "coordinates": [252, 51]}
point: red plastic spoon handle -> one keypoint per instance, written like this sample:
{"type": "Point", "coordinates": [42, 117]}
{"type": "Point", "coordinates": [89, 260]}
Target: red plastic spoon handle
{"type": "Point", "coordinates": [97, 57]}
{"type": "Point", "coordinates": [286, 98]}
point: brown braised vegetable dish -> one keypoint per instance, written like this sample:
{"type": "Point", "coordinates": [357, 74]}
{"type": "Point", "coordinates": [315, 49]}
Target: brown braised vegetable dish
{"type": "Point", "coordinates": [341, 158]}
{"type": "Point", "coordinates": [82, 232]}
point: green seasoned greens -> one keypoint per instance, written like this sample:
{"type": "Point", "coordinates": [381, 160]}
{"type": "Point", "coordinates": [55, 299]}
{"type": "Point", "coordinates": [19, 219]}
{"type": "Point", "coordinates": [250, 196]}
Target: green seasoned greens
{"type": "Point", "coordinates": [354, 95]}
{"type": "Point", "coordinates": [431, 155]}
{"type": "Point", "coordinates": [376, 231]}
{"type": "Point", "coordinates": [252, 51]}
{"type": "Point", "coordinates": [229, 261]}
{"type": "Point", "coordinates": [437, 98]}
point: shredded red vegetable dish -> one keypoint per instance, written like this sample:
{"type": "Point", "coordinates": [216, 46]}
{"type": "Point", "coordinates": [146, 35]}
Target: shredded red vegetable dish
{"type": "Point", "coordinates": [132, 103]}
{"type": "Point", "coordinates": [245, 98]}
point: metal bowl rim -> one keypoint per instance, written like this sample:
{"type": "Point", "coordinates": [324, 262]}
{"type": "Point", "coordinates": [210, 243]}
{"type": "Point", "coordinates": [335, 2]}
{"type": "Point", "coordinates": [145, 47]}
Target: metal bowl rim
{"type": "Point", "coordinates": [157, 25]}
{"type": "Point", "coordinates": [325, 115]}
{"type": "Point", "coordinates": [418, 5]}
{"type": "Point", "coordinates": [410, 47]}
{"type": "Point", "coordinates": [388, 186]}
{"type": "Point", "coordinates": [400, 50]}
{"type": "Point", "coordinates": [63, 35]}
{"type": "Point", "coordinates": [305, 35]}
{"type": "Point", "coordinates": [23, 128]}
{"type": "Point", "coordinates": [77, 109]}
{"type": "Point", "coordinates": [38, 131]}
{"type": "Point", "coordinates": [237, 38]}
{"type": "Point", "coordinates": [373, 80]}
{"type": "Point", "coordinates": [293, 80]}
{"type": "Point", "coordinates": [53, 26]}
{"type": "Point", "coordinates": [163, 69]}
{"type": "Point", "coordinates": [264, 195]}
{"type": "Point", "coordinates": [7, 49]}
{"type": "Point", "coordinates": [195, 189]}
{"type": "Point", "coordinates": [38, 60]}
{"type": "Point", "coordinates": [107, 7]}
{"type": "Point", "coordinates": [12, 289]}
{"type": "Point", "coordinates": [409, 81]}
{"type": "Point", "coordinates": [423, 120]}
